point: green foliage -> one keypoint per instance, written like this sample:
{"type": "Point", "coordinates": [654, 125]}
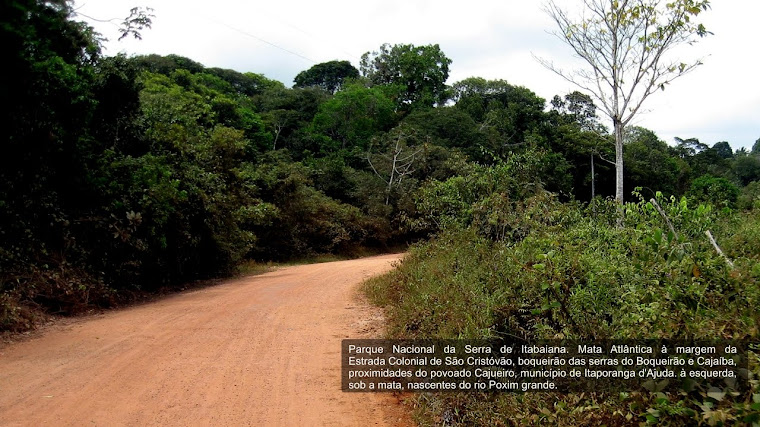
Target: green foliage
{"type": "Point", "coordinates": [328, 76]}
{"type": "Point", "coordinates": [747, 169]}
{"type": "Point", "coordinates": [508, 116]}
{"type": "Point", "coordinates": [570, 272]}
{"type": "Point", "coordinates": [756, 147]}
{"type": "Point", "coordinates": [419, 73]}
{"type": "Point", "coordinates": [579, 109]}
{"type": "Point", "coordinates": [448, 127]}
{"type": "Point", "coordinates": [188, 212]}
{"type": "Point", "coordinates": [723, 150]}
{"type": "Point", "coordinates": [288, 115]}
{"type": "Point", "coordinates": [480, 193]}
{"type": "Point", "coordinates": [45, 157]}
{"type": "Point", "coordinates": [137, 174]}
{"type": "Point", "coordinates": [750, 196]}
{"type": "Point", "coordinates": [332, 176]}
{"type": "Point", "coordinates": [703, 159]}
{"type": "Point", "coordinates": [139, 19]}
{"type": "Point", "coordinates": [649, 163]}
{"type": "Point", "coordinates": [167, 64]}
{"type": "Point", "coordinates": [631, 43]}
{"type": "Point", "coordinates": [249, 84]}
{"type": "Point", "coordinates": [354, 115]}
{"type": "Point", "coordinates": [441, 205]}
{"type": "Point", "coordinates": [306, 221]}
{"type": "Point", "coordinates": [718, 191]}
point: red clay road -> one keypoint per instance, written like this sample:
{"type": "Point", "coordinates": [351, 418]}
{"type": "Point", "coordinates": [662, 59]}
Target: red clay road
{"type": "Point", "coordinates": [259, 351]}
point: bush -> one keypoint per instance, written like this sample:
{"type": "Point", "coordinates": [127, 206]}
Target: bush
{"type": "Point", "coordinates": [749, 197]}
{"type": "Point", "coordinates": [562, 271]}
{"type": "Point", "coordinates": [717, 191]}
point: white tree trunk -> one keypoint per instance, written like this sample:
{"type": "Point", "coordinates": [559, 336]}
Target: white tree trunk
{"type": "Point", "coordinates": [618, 160]}
{"type": "Point", "coordinates": [593, 178]}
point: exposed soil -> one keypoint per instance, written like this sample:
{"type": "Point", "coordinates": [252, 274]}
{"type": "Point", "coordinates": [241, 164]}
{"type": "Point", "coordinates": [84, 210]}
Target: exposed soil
{"type": "Point", "coordinates": [259, 351]}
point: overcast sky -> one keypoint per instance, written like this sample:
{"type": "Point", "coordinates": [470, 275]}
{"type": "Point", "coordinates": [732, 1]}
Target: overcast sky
{"type": "Point", "coordinates": [494, 39]}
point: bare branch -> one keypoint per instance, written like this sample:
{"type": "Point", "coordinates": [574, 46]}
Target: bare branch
{"type": "Point", "coordinates": [399, 164]}
{"type": "Point", "coordinates": [665, 217]}
{"type": "Point", "coordinates": [717, 249]}
{"type": "Point", "coordinates": [602, 157]}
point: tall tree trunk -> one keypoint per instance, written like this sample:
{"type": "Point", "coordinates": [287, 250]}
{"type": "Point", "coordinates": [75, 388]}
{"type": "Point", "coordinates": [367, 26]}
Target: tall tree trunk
{"type": "Point", "coordinates": [593, 178]}
{"type": "Point", "coordinates": [618, 160]}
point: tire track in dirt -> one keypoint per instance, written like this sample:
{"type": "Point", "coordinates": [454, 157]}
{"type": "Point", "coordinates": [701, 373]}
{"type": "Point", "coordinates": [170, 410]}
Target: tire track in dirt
{"type": "Point", "coordinates": [261, 350]}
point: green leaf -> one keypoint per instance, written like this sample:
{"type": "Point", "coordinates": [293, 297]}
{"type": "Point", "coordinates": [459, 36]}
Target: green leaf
{"type": "Point", "coordinates": [658, 236]}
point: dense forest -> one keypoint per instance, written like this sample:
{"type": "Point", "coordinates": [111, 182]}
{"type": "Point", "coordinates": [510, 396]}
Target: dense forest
{"type": "Point", "coordinates": [122, 175]}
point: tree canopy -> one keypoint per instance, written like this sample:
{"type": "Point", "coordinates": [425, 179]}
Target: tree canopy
{"type": "Point", "coordinates": [329, 76]}
{"type": "Point", "coordinates": [418, 73]}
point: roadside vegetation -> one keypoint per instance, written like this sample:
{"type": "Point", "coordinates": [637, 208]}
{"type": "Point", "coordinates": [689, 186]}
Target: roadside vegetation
{"type": "Point", "coordinates": [536, 268]}
{"type": "Point", "coordinates": [122, 176]}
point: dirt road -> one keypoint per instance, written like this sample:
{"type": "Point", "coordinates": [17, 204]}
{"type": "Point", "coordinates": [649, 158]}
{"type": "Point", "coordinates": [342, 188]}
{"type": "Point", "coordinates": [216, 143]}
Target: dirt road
{"type": "Point", "coordinates": [262, 350]}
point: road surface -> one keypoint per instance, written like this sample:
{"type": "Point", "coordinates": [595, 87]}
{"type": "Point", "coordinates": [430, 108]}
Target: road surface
{"type": "Point", "coordinates": [260, 351]}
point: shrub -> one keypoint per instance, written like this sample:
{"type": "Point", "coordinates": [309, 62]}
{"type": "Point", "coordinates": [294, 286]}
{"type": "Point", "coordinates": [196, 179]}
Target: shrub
{"type": "Point", "coordinates": [562, 271]}
{"type": "Point", "coordinates": [718, 191]}
{"type": "Point", "coordinates": [749, 196]}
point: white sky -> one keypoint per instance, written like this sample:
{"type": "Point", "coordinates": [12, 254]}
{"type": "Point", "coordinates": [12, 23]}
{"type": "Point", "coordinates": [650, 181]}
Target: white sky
{"type": "Point", "coordinates": [719, 101]}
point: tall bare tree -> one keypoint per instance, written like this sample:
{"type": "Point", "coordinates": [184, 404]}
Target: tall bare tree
{"type": "Point", "coordinates": [626, 45]}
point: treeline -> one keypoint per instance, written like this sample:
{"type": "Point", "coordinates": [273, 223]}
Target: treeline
{"type": "Point", "coordinates": [121, 174]}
